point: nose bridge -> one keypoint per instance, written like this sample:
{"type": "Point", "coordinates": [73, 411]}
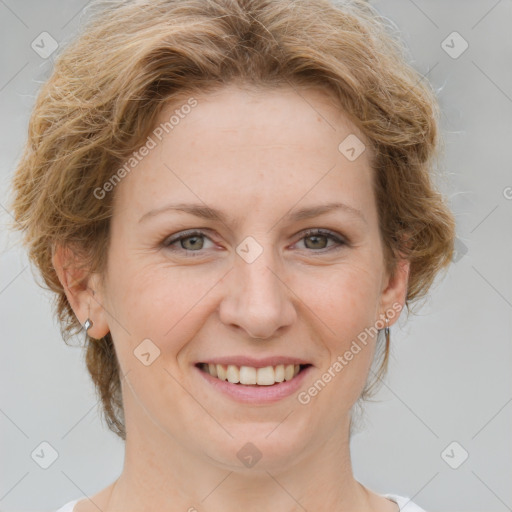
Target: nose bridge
{"type": "Point", "coordinates": [258, 301]}
{"type": "Point", "coordinates": [259, 281]}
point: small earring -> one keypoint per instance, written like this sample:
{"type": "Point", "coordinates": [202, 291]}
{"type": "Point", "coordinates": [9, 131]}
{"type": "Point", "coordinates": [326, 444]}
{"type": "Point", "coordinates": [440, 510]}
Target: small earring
{"type": "Point", "coordinates": [386, 330]}
{"type": "Point", "coordinates": [88, 324]}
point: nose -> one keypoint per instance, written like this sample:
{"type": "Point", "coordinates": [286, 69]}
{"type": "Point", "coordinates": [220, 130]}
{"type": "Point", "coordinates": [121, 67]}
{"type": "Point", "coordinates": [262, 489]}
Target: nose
{"type": "Point", "coordinates": [257, 300]}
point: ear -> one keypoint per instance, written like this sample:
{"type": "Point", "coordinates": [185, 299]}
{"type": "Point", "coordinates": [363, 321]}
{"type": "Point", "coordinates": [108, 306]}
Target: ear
{"type": "Point", "coordinates": [394, 291]}
{"type": "Point", "coordinates": [82, 290]}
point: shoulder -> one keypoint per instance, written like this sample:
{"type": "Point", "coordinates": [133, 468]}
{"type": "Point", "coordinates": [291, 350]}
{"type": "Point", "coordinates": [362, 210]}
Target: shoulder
{"type": "Point", "coordinates": [68, 507]}
{"type": "Point", "coordinates": [405, 504]}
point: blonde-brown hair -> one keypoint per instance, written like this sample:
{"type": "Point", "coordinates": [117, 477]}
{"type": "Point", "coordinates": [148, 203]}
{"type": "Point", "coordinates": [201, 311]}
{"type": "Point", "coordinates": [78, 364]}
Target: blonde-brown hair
{"type": "Point", "coordinates": [132, 57]}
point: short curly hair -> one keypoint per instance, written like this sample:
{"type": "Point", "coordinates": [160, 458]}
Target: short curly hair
{"type": "Point", "coordinates": [133, 57]}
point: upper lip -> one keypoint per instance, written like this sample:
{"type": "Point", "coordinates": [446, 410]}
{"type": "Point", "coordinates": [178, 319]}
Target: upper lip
{"type": "Point", "coordinates": [254, 362]}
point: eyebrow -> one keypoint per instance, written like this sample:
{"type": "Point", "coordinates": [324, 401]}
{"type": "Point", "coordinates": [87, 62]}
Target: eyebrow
{"type": "Point", "coordinates": [208, 213]}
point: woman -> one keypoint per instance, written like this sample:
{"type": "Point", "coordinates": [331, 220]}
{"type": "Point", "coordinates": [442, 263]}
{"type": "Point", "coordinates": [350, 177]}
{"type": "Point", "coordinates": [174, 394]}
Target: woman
{"type": "Point", "coordinates": [234, 200]}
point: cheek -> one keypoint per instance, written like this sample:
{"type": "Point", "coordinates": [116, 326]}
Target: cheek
{"type": "Point", "coordinates": [167, 306]}
{"type": "Point", "coordinates": [345, 299]}
{"type": "Point", "coordinates": [346, 304]}
{"type": "Point", "coordinates": [160, 303]}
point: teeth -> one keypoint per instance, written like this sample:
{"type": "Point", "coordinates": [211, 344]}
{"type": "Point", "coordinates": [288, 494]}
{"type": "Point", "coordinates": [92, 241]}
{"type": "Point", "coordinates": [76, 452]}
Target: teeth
{"type": "Point", "coordinates": [221, 372]}
{"type": "Point", "coordinates": [266, 376]}
{"type": "Point", "coordinates": [233, 374]}
{"type": "Point", "coordinates": [279, 373]}
{"type": "Point", "coordinates": [248, 375]}
{"type": "Point", "coordinates": [212, 369]}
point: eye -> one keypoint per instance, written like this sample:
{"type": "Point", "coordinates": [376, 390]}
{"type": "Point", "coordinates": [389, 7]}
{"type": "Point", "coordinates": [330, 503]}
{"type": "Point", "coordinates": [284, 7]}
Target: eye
{"type": "Point", "coordinates": [318, 239]}
{"type": "Point", "coordinates": [190, 241]}
{"type": "Point", "coordinates": [193, 241]}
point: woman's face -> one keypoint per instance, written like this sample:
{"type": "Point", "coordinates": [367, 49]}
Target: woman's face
{"type": "Point", "coordinates": [249, 287]}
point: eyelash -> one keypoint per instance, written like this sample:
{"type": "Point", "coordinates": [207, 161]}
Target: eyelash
{"type": "Point", "coordinates": [310, 232]}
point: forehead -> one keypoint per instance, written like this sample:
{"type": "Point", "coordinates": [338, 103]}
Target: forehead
{"type": "Point", "coordinates": [254, 114]}
{"type": "Point", "coordinates": [251, 147]}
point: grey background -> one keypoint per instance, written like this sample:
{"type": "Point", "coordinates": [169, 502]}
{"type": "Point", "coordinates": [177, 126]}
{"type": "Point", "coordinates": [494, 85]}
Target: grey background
{"type": "Point", "coordinates": [450, 377]}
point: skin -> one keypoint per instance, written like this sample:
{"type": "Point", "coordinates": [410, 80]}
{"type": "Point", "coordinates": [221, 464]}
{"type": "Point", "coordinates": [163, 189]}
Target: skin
{"type": "Point", "coordinates": [256, 155]}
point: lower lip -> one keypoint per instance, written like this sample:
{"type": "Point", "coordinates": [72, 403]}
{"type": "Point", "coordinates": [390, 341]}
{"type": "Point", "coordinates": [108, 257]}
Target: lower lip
{"type": "Point", "coordinates": [257, 394]}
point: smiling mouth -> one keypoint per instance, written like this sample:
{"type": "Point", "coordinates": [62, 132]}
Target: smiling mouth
{"type": "Point", "coordinates": [250, 376]}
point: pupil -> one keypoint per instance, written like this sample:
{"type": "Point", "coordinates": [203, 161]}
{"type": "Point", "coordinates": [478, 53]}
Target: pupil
{"type": "Point", "coordinates": [193, 238]}
{"type": "Point", "coordinates": [315, 238]}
